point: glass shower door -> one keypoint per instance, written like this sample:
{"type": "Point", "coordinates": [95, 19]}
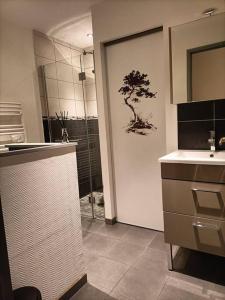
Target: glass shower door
{"type": "Point", "coordinates": [66, 89]}
{"type": "Point", "coordinates": [95, 196]}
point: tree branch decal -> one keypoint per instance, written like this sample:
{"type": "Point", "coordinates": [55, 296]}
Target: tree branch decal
{"type": "Point", "coordinates": [135, 87]}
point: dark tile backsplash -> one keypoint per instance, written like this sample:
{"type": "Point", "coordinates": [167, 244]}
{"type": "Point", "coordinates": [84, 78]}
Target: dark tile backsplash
{"type": "Point", "coordinates": [195, 111]}
{"type": "Point", "coordinates": [196, 119]}
{"type": "Point", "coordinates": [220, 109]}
{"type": "Point", "coordinates": [220, 131]}
{"type": "Point", "coordinates": [194, 135]}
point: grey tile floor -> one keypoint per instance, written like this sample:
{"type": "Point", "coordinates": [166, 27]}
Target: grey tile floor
{"type": "Point", "coordinates": [89, 292]}
{"type": "Point", "coordinates": [129, 263]}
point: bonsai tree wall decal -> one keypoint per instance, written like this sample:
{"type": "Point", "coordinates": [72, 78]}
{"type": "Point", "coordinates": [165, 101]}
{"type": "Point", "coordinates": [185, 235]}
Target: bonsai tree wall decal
{"type": "Point", "coordinates": [136, 86]}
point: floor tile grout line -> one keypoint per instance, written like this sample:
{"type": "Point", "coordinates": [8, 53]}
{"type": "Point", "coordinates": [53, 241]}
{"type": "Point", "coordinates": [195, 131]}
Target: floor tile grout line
{"type": "Point", "coordinates": [164, 284]}
{"type": "Point", "coordinates": [133, 267]}
{"type": "Point", "coordinates": [104, 235]}
{"type": "Point", "coordinates": [152, 240]}
{"type": "Point", "coordinates": [129, 266]}
{"type": "Point", "coordinates": [120, 238]}
{"type": "Point", "coordinates": [102, 256]}
{"type": "Point", "coordinates": [87, 238]}
{"type": "Point", "coordinates": [133, 263]}
{"type": "Point", "coordinates": [120, 279]}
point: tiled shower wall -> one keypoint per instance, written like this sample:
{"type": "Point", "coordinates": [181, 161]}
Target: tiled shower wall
{"type": "Point", "coordinates": [196, 119]}
{"type": "Point", "coordinates": [62, 64]}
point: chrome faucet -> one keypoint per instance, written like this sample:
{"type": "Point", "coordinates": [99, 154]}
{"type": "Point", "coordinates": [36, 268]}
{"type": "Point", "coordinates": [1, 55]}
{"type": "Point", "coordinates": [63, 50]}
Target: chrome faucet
{"type": "Point", "coordinates": [211, 140]}
{"type": "Point", "coordinates": [222, 141]}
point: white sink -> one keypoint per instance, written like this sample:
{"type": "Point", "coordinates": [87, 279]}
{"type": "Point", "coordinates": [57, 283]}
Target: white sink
{"type": "Point", "coordinates": [195, 157]}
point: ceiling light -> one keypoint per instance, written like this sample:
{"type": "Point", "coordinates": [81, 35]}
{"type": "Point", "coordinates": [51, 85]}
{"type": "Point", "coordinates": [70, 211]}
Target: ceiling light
{"type": "Point", "coordinates": [209, 11]}
{"type": "Point", "coordinates": [90, 35]}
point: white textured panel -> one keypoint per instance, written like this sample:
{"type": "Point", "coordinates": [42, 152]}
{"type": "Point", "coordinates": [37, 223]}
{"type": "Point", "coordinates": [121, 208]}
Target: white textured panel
{"type": "Point", "coordinates": [42, 219]}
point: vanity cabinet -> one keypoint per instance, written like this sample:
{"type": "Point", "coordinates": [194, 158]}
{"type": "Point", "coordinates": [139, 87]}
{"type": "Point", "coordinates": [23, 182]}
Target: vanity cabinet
{"type": "Point", "coordinates": [194, 206]}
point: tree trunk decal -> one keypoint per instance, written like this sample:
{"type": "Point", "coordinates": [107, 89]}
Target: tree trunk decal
{"type": "Point", "coordinates": [136, 86]}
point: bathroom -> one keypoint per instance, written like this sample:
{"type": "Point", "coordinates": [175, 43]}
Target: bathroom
{"type": "Point", "coordinates": [133, 39]}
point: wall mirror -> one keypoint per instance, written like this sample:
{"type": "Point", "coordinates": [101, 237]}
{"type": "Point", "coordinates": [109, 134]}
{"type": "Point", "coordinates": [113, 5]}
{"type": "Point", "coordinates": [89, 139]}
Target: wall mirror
{"type": "Point", "coordinates": [198, 60]}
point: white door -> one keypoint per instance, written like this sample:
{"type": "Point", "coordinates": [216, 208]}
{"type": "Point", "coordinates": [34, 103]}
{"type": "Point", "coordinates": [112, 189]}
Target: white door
{"type": "Point", "coordinates": [138, 127]}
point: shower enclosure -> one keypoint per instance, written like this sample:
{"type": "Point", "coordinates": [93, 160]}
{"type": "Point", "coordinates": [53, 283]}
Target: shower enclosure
{"type": "Point", "coordinates": [68, 88]}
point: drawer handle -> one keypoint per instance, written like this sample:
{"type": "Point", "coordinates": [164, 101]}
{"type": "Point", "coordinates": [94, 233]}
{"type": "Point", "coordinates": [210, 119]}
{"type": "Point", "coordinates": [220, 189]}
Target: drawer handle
{"type": "Point", "coordinates": [205, 191]}
{"type": "Point", "coordinates": [199, 225]}
{"type": "Point", "coordinates": [219, 196]}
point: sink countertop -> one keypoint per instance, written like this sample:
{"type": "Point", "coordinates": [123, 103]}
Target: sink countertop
{"type": "Point", "coordinates": [205, 157]}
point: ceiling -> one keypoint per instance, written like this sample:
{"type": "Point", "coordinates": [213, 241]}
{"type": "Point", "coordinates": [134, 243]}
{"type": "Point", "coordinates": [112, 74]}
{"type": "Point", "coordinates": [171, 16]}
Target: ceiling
{"type": "Point", "coordinates": [68, 20]}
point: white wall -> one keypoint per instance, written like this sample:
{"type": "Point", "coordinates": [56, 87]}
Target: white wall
{"type": "Point", "coordinates": [18, 78]}
{"type": "Point", "coordinates": [114, 19]}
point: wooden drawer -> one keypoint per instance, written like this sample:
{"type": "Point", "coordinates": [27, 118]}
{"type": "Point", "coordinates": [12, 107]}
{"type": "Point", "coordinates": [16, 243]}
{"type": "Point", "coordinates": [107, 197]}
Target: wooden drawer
{"type": "Point", "coordinates": [201, 234]}
{"type": "Point", "coordinates": [193, 172]}
{"type": "Point", "coordinates": [194, 198]}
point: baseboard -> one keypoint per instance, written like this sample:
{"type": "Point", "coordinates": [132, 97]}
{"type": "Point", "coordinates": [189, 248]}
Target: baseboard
{"type": "Point", "coordinates": [111, 221]}
{"type": "Point", "coordinates": [74, 289]}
